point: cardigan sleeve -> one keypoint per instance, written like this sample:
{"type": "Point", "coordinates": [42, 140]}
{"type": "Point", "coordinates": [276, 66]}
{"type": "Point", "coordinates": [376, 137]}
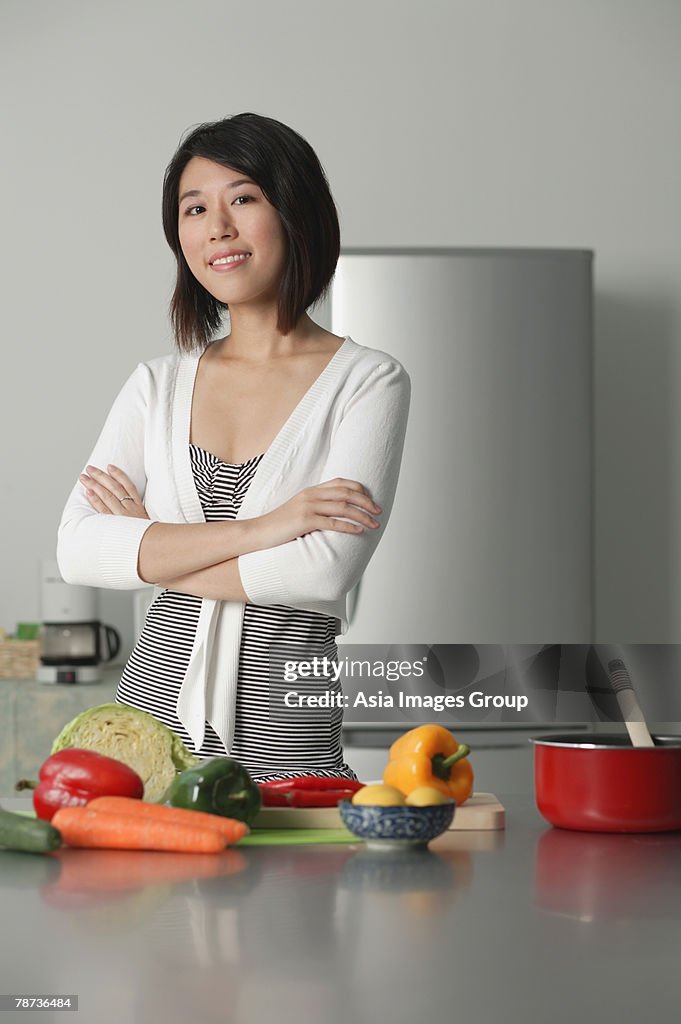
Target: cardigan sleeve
{"type": "Point", "coordinates": [99, 550]}
{"type": "Point", "coordinates": [323, 566]}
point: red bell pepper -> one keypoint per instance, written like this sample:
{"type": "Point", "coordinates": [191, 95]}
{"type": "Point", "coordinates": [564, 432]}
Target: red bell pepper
{"type": "Point", "coordinates": [72, 777]}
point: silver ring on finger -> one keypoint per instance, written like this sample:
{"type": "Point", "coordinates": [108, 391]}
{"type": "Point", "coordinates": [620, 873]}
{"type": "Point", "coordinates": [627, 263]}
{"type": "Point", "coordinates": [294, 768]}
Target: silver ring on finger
{"type": "Point", "coordinates": [126, 498]}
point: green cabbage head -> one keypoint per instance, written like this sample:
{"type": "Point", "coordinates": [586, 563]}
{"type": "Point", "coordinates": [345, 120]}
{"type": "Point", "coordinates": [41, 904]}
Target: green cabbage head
{"type": "Point", "coordinates": [134, 737]}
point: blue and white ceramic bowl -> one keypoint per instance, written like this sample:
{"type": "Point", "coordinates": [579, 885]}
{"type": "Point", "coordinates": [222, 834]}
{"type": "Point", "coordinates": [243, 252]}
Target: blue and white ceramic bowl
{"type": "Point", "coordinates": [390, 828]}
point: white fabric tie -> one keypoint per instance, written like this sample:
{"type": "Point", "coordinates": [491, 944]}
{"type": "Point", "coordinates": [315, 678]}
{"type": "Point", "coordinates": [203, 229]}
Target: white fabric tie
{"type": "Point", "coordinates": [208, 691]}
{"type": "Point", "coordinates": [191, 703]}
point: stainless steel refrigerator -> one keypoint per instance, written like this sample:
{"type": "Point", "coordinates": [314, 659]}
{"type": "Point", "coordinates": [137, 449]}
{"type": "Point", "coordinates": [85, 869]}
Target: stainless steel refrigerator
{"type": "Point", "coordinates": [490, 538]}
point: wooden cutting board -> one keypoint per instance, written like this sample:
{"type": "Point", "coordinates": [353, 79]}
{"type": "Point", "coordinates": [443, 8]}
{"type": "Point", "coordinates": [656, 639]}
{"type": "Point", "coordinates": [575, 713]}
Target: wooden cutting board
{"type": "Point", "coordinates": [482, 811]}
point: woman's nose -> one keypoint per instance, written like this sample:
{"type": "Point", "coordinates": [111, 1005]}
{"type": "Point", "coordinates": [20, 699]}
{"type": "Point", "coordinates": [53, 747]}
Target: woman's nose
{"type": "Point", "coordinates": [220, 225]}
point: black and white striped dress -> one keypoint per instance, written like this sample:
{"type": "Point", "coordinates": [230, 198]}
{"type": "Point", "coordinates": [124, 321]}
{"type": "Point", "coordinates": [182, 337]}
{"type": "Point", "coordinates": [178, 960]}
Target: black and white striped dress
{"type": "Point", "coordinates": [153, 675]}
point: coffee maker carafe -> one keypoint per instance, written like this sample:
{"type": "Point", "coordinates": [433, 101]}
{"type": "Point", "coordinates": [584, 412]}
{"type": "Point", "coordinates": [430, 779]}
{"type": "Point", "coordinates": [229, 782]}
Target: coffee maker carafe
{"type": "Point", "coordinates": [73, 642]}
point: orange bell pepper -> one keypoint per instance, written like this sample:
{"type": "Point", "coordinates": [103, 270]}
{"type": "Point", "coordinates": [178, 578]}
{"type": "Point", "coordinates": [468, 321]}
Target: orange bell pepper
{"type": "Point", "coordinates": [430, 756]}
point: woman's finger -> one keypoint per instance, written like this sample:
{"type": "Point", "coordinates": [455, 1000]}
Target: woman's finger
{"type": "Point", "coordinates": [104, 500]}
{"type": "Point", "coordinates": [337, 525]}
{"type": "Point", "coordinates": [125, 482]}
{"type": "Point", "coordinates": [100, 483]}
{"type": "Point", "coordinates": [108, 491]}
{"type": "Point", "coordinates": [348, 490]}
{"type": "Point", "coordinates": [106, 481]}
{"type": "Point", "coordinates": [340, 481]}
{"type": "Point", "coordinates": [96, 502]}
{"type": "Point", "coordinates": [350, 497]}
{"type": "Point", "coordinates": [102, 492]}
{"type": "Point", "coordinates": [334, 509]}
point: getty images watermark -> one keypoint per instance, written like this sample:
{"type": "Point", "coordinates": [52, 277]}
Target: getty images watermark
{"type": "Point", "coordinates": [366, 683]}
{"type": "Point", "coordinates": [408, 683]}
{"type": "Point", "coordinates": [326, 671]}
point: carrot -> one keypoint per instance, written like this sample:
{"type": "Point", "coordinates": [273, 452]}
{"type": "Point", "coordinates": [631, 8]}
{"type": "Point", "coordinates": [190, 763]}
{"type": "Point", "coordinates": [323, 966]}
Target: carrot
{"type": "Point", "coordinates": [230, 828]}
{"type": "Point", "coordinates": [81, 826]}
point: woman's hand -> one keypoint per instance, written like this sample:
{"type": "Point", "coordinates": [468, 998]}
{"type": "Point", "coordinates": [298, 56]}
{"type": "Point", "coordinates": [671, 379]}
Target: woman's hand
{"type": "Point", "coordinates": [113, 493]}
{"type": "Point", "coordinates": [319, 508]}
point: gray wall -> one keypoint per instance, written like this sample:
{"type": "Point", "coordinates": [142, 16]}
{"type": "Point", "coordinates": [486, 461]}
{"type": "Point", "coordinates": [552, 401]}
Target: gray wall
{"type": "Point", "coordinates": [533, 123]}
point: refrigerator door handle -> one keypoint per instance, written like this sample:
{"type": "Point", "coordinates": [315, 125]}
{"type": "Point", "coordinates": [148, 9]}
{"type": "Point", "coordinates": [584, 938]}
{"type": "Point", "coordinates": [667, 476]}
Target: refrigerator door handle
{"type": "Point", "coordinates": [353, 598]}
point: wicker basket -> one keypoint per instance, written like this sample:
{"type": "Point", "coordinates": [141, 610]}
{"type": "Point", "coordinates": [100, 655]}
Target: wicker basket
{"type": "Point", "coordinates": [19, 659]}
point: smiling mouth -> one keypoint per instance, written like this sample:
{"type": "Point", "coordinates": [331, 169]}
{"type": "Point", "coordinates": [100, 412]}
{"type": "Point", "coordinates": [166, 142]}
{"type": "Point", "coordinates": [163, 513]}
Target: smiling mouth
{"type": "Point", "coordinates": [228, 260]}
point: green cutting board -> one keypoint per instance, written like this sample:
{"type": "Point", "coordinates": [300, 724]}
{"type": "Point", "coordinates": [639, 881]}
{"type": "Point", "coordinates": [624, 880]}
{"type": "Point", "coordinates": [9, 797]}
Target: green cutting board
{"type": "Point", "coordinates": [297, 836]}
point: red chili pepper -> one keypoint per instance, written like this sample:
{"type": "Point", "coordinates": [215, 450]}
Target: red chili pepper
{"type": "Point", "coordinates": [278, 797]}
{"type": "Point", "coordinates": [72, 777]}
{"type": "Point", "coordinates": [315, 782]}
{"type": "Point", "coordinates": [319, 798]}
{"type": "Point", "coordinates": [272, 797]}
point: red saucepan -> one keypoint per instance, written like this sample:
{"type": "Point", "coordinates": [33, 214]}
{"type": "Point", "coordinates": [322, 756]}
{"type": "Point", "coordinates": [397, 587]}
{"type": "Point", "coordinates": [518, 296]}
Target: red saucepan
{"type": "Point", "coordinates": [603, 784]}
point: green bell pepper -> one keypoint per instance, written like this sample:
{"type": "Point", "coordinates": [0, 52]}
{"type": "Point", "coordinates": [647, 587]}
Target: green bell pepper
{"type": "Point", "coordinates": [219, 785]}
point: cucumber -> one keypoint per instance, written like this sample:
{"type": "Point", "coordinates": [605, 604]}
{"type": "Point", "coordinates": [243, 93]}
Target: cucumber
{"type": "Point", "coordinates": [28, 834]}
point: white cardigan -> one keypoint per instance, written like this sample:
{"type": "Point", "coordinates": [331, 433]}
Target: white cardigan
{"type": "Point", "coordinates": [350, 423]}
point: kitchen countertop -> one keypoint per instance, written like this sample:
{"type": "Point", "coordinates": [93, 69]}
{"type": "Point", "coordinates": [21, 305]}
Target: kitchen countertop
{"type": "Point", "coordinates": [33, 713]}
{"type": "Point", "coordinates": [532, 923]}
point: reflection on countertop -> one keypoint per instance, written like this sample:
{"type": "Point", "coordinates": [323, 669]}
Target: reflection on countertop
{"type": "Point", "coordinates": [343, 934]}
{"type": "Point", "coordinates": [596, 876]}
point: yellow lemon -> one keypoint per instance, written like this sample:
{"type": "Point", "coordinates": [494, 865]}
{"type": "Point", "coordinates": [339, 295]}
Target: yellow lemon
{"type": "Point", "coordinates": [425, 796]}
{"type": "Point", "coordinates": [378, 796]}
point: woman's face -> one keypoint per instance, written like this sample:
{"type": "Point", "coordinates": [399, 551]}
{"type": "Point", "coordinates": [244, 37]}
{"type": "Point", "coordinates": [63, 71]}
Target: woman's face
{"type": "Point", "coordinates": [217, 216]}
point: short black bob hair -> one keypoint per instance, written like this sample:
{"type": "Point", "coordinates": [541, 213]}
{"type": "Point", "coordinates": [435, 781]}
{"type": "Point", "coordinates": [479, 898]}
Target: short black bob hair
{"type": "Point", "coordinates": [292, 179]}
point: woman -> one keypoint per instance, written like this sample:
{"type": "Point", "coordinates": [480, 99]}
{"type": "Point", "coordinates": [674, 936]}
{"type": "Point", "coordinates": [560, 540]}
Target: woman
{"type": "Point", "coordinates": [243, 476]}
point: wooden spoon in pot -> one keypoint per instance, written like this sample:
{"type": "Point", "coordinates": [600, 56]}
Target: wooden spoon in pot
{"type": "Point", "coordinates": [629, 706]}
